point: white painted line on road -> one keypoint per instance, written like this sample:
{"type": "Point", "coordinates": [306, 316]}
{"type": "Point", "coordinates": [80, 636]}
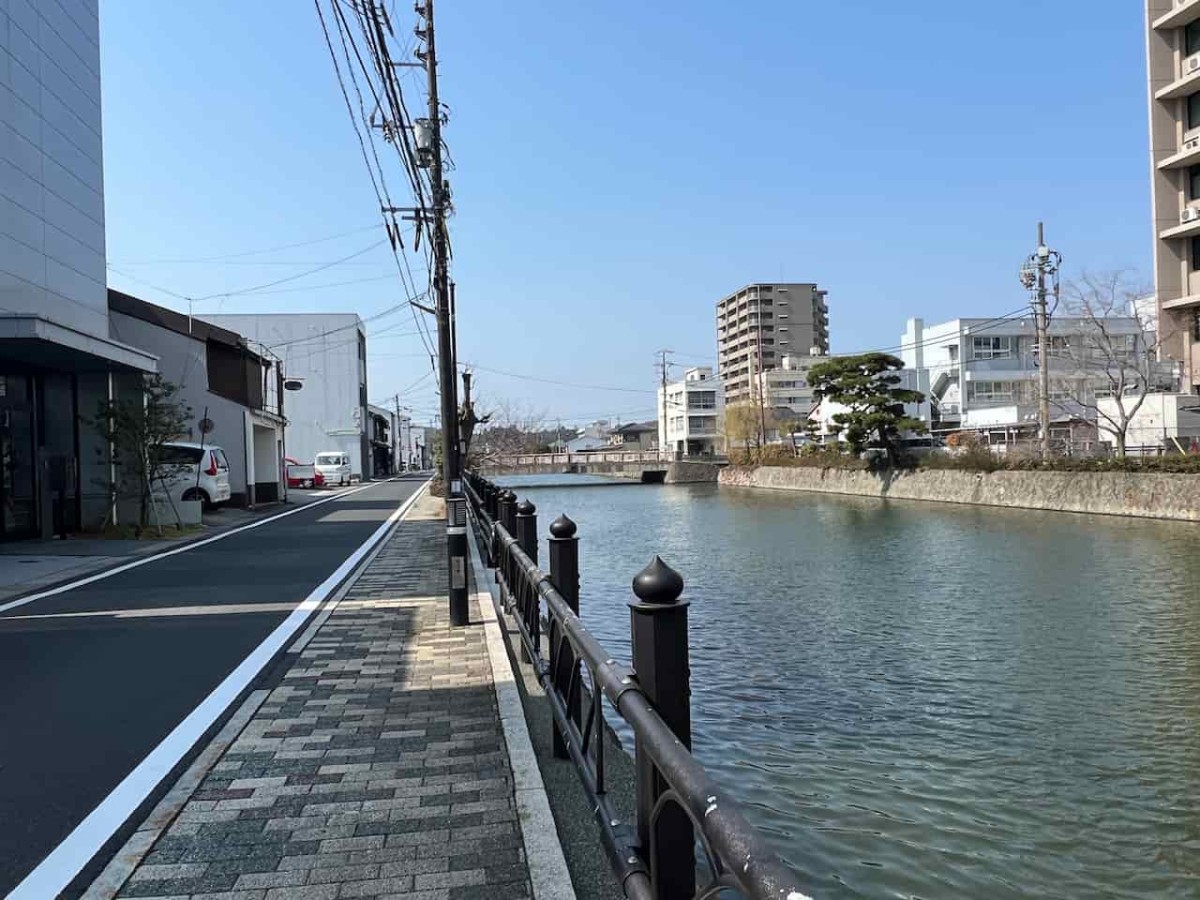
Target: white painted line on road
{"type": "Point", "coordinates": [61, 866]}
{"type": "Point", "coordinates": [128, 858]}
{"type": "Point", "coordinates": [191, 545]}
{"type": "Point", "coordinates": [548, 872]}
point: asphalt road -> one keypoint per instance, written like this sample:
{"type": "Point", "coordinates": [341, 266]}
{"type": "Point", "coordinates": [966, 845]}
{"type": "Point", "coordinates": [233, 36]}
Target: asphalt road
{"type": "Point", "coordinates": [91, 680]}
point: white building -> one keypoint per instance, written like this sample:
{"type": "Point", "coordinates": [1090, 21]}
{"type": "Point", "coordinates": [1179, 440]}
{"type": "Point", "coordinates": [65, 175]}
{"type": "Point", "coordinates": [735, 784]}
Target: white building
{"type": "Point", "coordinates": [220, 378]}
{"type": "Point", "coordinates": [787, 386]}
{"type": "Point", "coordinates": [690, 415]}
{"type": "Point", "coordinates": [328, 353]}
{"type": "Point", "coordinates": [983, 373]}
{"type": "Point", "coordinates": [1166, 423]}
{"type": "Point", "coordinates": [422, 439]}
{"type": "Point", "coordinates": [593, 436]}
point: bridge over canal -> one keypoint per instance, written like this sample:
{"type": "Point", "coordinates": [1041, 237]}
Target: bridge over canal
{"type": "Point", "coordinates": [648, 467]}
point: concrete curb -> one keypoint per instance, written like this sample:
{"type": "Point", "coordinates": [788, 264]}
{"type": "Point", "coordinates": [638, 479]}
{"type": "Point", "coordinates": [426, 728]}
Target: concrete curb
{"type": "Point", "coordinates": [548, 870]}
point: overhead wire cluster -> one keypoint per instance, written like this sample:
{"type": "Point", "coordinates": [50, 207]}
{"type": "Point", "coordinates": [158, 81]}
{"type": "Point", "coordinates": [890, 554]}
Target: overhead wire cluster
{"type": "Point", "coordinates": [358, 35]}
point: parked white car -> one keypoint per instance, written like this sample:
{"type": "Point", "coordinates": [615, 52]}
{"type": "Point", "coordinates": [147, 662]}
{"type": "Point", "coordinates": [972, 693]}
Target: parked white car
{"type": "Point", "coordinates": [196, 473]}
{"type": "Point", "coordinates": [334, 467]}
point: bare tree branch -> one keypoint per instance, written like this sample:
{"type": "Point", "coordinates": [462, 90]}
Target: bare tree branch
{"type": "Point", "coordinates": [1112, 358]}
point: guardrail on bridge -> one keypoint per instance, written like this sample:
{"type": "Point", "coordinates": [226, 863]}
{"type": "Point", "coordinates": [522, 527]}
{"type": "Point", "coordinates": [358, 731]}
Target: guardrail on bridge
{"type": "Point", "coordinates": [677, 802]}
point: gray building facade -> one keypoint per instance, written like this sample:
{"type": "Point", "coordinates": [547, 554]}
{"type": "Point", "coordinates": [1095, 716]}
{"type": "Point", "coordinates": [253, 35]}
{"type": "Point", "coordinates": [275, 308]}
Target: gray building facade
{"type": "Point", "coordinates": [759, 325]}
{"type": "Point", "coordinates": [58, 362]}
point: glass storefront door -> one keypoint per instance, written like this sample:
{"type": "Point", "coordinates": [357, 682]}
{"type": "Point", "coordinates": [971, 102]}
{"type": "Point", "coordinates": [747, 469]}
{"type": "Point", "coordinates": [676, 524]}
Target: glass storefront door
{"type": "Point", "coordinates": [18, 500]}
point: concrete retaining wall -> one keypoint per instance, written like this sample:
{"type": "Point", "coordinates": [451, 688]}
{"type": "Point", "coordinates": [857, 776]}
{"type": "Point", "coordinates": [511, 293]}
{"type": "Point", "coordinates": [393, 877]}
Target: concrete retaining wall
{"type": "Point", "coordinates": [1154, 496]}
{"type": "Point", "coordinates": [692, 473]}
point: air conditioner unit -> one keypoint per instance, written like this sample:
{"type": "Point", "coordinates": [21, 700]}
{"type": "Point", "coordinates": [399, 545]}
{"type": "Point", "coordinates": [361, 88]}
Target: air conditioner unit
{"type": "Point", "coordinates": [1190, 214]}
{"type": "Point", "coordinates": [1191, 144]}
{"type": "Point", "coordinates": [1191, 64]}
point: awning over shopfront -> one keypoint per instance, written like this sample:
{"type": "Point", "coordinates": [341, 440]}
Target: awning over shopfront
{"type": "Point", "coordinates": [37, 341]}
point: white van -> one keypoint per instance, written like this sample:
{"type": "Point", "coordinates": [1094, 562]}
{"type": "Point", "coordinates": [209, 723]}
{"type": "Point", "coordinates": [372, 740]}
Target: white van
{"type": "Point", "coordinates": [334, 467]}
{"type": "Point", "coordinates": [196, 473]}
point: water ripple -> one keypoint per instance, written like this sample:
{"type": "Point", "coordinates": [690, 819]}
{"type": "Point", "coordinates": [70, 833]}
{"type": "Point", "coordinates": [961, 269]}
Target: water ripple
{"type": "Point", "coordinates": [925, 701]}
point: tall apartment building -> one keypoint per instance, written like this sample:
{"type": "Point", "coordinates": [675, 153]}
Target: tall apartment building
{"type": "Point", "coordinates": [759, 325]}
{"type": "Point", "coordinates": [58, 360]}
{"type": "Point", "coordinates": [1173, 58]}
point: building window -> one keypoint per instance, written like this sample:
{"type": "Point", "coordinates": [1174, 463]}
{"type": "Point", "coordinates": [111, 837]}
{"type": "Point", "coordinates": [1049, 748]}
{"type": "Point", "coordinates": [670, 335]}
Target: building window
{"type": "Point", "coordinates": [1196, 324]}
{"type": "Point", "coordinates": [1060, 344]}
{"type": "Point", "coordinates": [992, 391]}
{"type": "Point", "coordinates": [1196, 254]}
{"type": "Point", "coordinates": [1193, 111]}
{"type": "Point", "coordinates": [1191, 39]}
{"type": "Point", "coordinates": [953, 354]}
{"type": "Point", "coordinates": [1193, 183]}
{"type": "Point", "coordinates": [991, 347]}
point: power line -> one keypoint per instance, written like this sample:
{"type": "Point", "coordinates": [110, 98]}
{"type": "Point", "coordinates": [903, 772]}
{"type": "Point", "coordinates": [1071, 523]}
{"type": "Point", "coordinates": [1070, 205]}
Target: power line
{"type": "Point", "coordinates": [379, 185]}
{"type": "Point", "coordinates": [247, 290]}
{"type": "Point", "coordinates": [263, 252]}
{"type": "Point", "coordinates": [269, 284]}
{"type": "Point", "coordinates": [320, 287]}
{"type": "Point", "coordinates": [590, 387]}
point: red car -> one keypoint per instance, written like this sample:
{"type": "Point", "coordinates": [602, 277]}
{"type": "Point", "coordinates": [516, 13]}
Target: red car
{"type": "Point", "coordinates": [300, 475]}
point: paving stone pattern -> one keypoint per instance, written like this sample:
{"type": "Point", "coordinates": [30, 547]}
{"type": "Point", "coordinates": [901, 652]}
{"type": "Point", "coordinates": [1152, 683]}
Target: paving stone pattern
{"type": "Point", "coordinates": [377, 768]}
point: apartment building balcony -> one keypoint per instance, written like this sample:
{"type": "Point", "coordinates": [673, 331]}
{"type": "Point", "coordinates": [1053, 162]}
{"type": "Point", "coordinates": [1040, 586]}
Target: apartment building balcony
{"type": "Point", "coordinates": [1187, 83]}
{"type": "Point", "coordinates": [1188, 227]}
{"type": "Point", "coordinates": [1189, 155]}
{"type": "Point", "coordinates": [1183, 14]}
{"type": "Point", "coordinates": [1182, 302]}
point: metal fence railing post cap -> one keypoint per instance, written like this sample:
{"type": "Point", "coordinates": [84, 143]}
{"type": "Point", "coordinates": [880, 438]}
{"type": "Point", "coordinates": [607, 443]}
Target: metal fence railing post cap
{"type": "Point", "coordinates": [563, 528]}
{"type": "Point", "coordinates": [657, 585]}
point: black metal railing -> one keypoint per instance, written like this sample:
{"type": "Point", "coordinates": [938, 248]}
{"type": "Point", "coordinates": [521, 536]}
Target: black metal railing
{"type": "Point", "coordinates": [678, 805]}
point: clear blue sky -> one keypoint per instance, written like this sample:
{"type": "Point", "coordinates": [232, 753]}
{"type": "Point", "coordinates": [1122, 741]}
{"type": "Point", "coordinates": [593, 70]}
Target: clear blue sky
{"type": "Point", "coordinates": [621, 166]}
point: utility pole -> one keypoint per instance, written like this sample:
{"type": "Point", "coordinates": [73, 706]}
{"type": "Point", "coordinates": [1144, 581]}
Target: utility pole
{"type": "Point", "coordinates": [662, 450]}
{"type": "Point", "coordinates": [760, 378]}
{"type": "Point", "coordinates": [1042, 263]}
{"type": "Point", "coordinates": [456, 513]}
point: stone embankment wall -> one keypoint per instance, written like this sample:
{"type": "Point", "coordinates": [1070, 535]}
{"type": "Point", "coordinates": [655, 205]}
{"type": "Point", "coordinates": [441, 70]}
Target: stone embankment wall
{"type": "Point", "coordinates": [692, 473]}
{"type": "Point", "coordinates": [1156, 496]}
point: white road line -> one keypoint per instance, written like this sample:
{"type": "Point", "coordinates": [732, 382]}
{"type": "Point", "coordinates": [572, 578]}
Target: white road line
{"type": "Point", "coordinates": [58, 869]}
{"type": "Point", "coordinates": [192, 545]}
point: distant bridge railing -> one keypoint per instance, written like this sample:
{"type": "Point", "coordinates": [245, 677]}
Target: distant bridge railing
{"type": "Point", "coordinates": [677, 802]}
{"type": "Point", "coordinates": [521, 460]}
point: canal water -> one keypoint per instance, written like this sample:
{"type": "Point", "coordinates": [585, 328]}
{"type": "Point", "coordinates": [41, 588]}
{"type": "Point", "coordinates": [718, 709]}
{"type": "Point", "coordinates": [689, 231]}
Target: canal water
{"type": "Point", "coordinates": [923, 700]}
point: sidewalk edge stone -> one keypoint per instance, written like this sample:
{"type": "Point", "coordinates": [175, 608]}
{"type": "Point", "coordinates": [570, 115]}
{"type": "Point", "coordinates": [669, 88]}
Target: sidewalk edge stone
{"type": "Point", "coordinates": [548, 870]}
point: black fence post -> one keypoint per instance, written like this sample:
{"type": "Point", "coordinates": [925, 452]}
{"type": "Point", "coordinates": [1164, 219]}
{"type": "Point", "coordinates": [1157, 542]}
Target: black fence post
{"type": "Point", "coordinates": [526, 534]}
{"type": "Point", "coordinates": [564, 574]}
{"type": "Point", "coordinates": [658, 620]}
{"type": "Point", "coordinates": [510, 513]}
{"type": "Point", "coordinates": [504, 503]}
{"type": "Point", "coordinates": [527, 539]}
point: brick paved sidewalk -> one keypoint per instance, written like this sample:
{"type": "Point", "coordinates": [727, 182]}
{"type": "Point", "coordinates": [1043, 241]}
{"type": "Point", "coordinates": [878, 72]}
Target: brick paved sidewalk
{"type": "Point", "coordinates": [377, 767]}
